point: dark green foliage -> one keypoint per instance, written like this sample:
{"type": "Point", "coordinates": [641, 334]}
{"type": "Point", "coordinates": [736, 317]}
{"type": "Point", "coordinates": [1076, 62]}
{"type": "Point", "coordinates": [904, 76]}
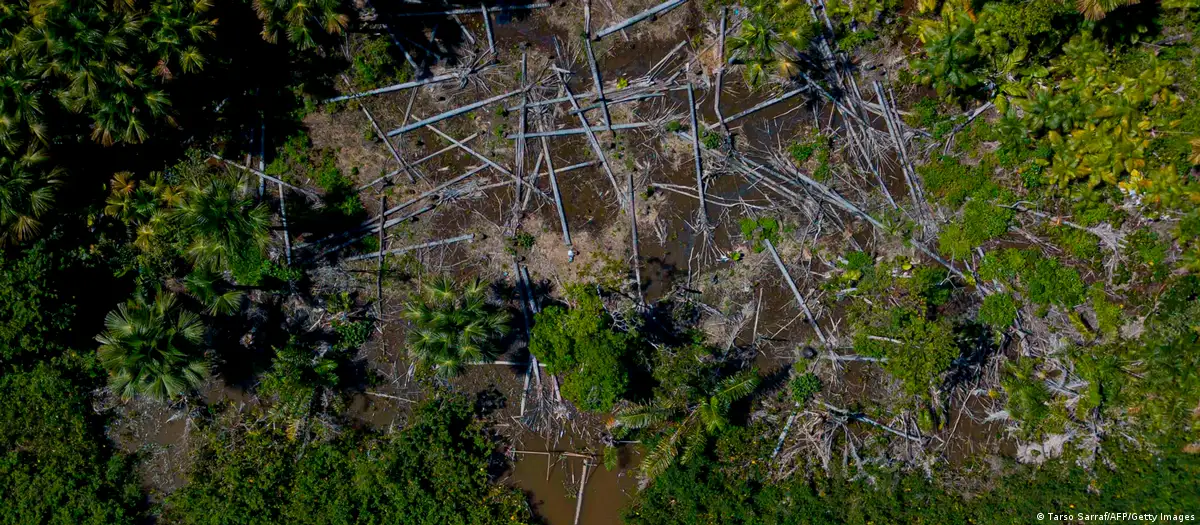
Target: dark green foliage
{"type": "Point", "coordinates": [107, 62]}
{"type": "Point", "coordinates": [222, 222]}
{"type": "Point", "coordinates": [56, 465]}
{"type": "Point", "coordinates": [709, 491]}
{"type": "Point", "coordinates": [953, 182]}
{"type": "Point", "coordinates": [31, 313]}
{"type": "Point", "coordinates": [1169, 389]}
{"type": "Point", "coordinates": [1044, 281]}
{"type": "Point", "coordinates": [981, 222]}
{"type": "Point", "coordinates": [298, 161]}
{"type": "Point", "coordinates": [999, 310]}
{"type": "Point", "coordinates": [1028, 396]}
{"type": "Point", "coordinates": [804, 387]}
{"type": "Point", "coordinates": [433, 472]}
{"type": "Point", "coordinates": [688, 422]}
{"type": "Point", "coordinates": [710, 139]}
{"type": "Point", "coordinates": [27, 188]}
{"type": "Point", "coordinates": [1078, 243]}
{"type": "Point", "coordinates": [674, 126]}
{"type": "Point", "coordinates": [303, 23]}
{"type": "Point", "coordinates": [298, 385]}
{"type": "Point", "coordinates": [581, 344]}
{"type": "Point", "coordinates": [523, 240]}
{"type": "Point", "coordinates": [374, 65]}
{"type": "Point", "coordinates": [352, 334]}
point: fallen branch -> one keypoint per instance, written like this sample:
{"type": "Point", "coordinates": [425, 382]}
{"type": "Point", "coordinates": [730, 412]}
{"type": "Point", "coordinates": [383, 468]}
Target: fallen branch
{"type": "Point", "coordinates": [696, 156]}
{"type": "Point", "coordinates": [418, 162]}
{"type": "Point", "coordinates": [760, 106]}
{"type": "Point", "coordinates": [562, 216]}
{"type": "Point", "coordinates": [587, 45]}
{"type": "Point", "coordinates": [580, 131]}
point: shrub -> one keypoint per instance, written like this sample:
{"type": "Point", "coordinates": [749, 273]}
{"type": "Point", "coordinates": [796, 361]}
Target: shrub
{"type": "Point", "coordinates": [581, 344]}
{"type": "Point", "coordinates": [804, 387]}
{"type": "Point", "coordinates": [999, 310]}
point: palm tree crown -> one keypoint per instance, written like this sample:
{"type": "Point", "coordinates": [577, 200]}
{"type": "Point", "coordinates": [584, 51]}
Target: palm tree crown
{"type": "Point", "coordinates": [26, 192]}
{"type": "Point", "coordinates": [152, 349]}
{"type": "Point", "coordinates": [454, 325]}
{"type": "Point", "coordinates": [688, 423]}
{"type": "Point", "coordinates": [222, 221]}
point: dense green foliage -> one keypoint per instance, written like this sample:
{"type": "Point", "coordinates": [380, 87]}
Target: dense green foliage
{"type": "Point", "coordinates": [56, 466]}
{"type": "Point", "coordinates": [435, 471]}
{"type": "Point", "coordinates": [686, 421]}
{"type": "Point", "coordinates": [581, 344]}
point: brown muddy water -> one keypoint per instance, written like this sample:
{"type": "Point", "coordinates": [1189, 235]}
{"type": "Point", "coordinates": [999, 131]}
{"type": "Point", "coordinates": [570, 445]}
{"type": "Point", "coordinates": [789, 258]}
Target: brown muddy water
{"type": "Point", "coordinates": [552, 482]}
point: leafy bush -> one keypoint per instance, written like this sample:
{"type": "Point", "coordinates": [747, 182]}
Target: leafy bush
{"type": "Point", "coordinates": [31, 314]}
{"type": "Point", "coordinates": [953, 182]}
{"type": "Point", "coordinates": [1044, 281]}
{"type": "Point", "coordinates": [755, 231]}
{"type": "Point", "coordinates": [454, 325]}
{"type": "Point", "coordinates": [1028, 396]}
{"type": "Point", "coordinates": [581, 344]}
{"type": "Point", "coordinates": [804, 387]}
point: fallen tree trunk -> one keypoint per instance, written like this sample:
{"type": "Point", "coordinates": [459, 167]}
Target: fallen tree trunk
{"type": "Point", "coordinates": [652, 12]}
{"type": "Point", "coordinates": [468, 237]}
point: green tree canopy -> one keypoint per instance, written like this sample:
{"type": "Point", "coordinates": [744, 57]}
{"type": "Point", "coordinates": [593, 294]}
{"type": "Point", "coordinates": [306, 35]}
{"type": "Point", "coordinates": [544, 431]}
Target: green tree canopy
{"type": "Point", "coordinates": [581, 344]}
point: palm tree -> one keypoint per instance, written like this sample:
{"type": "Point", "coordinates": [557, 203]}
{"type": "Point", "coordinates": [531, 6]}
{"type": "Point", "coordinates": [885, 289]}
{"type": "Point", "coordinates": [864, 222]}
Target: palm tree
{"type": "Point", "coordinates": [152, 349]}
{"type": "Point", "coordinates": [688, 423]}
{"type": "Point", "coordinates": [454, 325]}
{"type": "Point", "coordinates": [222, 221]}
{"type": "Point", "coordinates": [301, 20]}
{"type": "Point", "coordinates": [26, 192]}
{"type": "Point", "coordinates": [218, 296]}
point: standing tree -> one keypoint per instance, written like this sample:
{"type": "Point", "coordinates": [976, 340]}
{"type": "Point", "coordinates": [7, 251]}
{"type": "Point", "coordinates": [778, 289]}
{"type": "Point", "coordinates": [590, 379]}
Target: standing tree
{"type": "Point", "coordinates": [222, 222]}
{"type": "Point", "coordinates": [687, 423]}
{"type": "Point", "coordinates": [152, 349]}
{"type": "Point", "coordinates": [454, 325]}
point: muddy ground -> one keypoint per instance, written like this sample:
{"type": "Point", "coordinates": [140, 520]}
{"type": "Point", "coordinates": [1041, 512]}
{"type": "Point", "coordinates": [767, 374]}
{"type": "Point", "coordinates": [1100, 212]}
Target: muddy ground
{"type": "Point", "coordinates": [746, 303]}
